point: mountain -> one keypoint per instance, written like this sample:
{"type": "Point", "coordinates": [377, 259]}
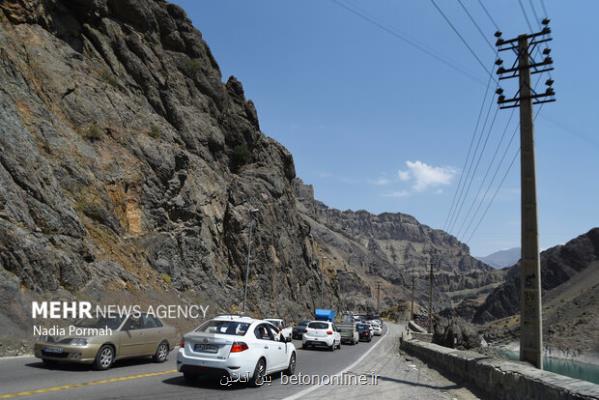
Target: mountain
{"type": "Point", "coordinates": [392, 248]}
{"type": "Point", "coordinates": [502, 258]}
{"type": "Point", "coordinates": [129, 172]}
{"type": "Point", "coordinates": [570, 282]}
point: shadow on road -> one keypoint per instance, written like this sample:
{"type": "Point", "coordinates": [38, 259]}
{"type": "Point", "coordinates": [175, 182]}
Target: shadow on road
{"type": "Point", "coordinates": [213, 384]}
{"type": "Point", "coordinates": [74, 367]}
{"type": "Point", "coordinates": [396, 380]}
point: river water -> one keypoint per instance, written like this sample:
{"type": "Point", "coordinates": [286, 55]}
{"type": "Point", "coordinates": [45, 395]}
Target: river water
{"type": "Point", "coordinates": [571, 368]}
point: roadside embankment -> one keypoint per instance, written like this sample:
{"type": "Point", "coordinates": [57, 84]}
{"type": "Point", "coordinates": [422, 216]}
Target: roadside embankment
{"type": "Point", "coordinates": [501, 379]}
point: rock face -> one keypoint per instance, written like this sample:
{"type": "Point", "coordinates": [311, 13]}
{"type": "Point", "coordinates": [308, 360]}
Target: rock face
{"type": "Point", "coordinates": [559, 264]}
{"type": "Point", "coordinates": [570, 281]}
{"type": "Point", "coordinates": [126, 163]}
{"type": "Point", "coordinates": [128, 170]}
{"type": "Point", "coordinates": [390, 248]}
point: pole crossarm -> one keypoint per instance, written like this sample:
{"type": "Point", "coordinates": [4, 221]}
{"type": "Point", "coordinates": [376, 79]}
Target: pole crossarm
{"type": "Point", "coordinates": [530, 67]}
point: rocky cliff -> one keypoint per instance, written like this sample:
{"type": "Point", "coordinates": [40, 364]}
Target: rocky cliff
{"type": "Point", "coordinates": [559, 264]}
{"type": "Point", "coordinates": [126, 163]}
{"type": "Point", "coordinates": [128, 171]}
{"type": "Point", "coordinates": [390, 249]}
{"type": "Point", "coordinates": [570, 282]}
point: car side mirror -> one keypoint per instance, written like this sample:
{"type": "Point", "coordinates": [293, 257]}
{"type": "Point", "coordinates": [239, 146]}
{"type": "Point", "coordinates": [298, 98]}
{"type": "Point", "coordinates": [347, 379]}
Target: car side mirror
{"type": "Point", "coordinates": [287, 339]}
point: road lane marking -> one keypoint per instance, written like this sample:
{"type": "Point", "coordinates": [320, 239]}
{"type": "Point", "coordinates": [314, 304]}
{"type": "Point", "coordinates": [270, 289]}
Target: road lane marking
{"type": "Point", "coordinates": [304, 392]}
{"type": "Point", "coordinates": [85, 384]}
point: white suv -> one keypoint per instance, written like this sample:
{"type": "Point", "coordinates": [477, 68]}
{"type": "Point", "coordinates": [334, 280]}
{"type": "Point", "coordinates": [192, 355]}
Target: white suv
{"type": "Point", "coordinates": [240, 348]}
{"type": "Point", "coordinates": [321, 334]}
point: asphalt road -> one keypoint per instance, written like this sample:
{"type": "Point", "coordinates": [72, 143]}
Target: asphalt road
{"type": "Point", "coordinates": [28, 378]}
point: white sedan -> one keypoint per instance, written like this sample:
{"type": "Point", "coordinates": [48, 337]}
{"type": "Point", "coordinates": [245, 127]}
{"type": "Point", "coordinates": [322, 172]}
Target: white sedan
{"type": "Point", "coordinates": [378, 331]}
{"type": "Point", "coordinates": [235, 349]}
{"type": "Point", "coordinates": [321, 334]}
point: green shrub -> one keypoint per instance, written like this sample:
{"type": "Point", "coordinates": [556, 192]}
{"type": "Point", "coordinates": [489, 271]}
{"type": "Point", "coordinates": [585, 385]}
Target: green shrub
{"type": "Point", "coordinates": [93, 133]}
{"type": "Point", "coordinates": [154, 131]}
{"type": "Point", "coordinates": [166, 278]}
{"type": "Point", "coordinates": [191, 67]}
{"type": "Point", "coordinates": [241, 155]}
{"type": "Point", "coordinates": [108, 77]}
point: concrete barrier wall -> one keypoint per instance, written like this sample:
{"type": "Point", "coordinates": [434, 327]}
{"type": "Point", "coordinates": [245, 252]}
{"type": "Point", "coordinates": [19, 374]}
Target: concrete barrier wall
{"type": "Point", "coordinates": [501, 379]}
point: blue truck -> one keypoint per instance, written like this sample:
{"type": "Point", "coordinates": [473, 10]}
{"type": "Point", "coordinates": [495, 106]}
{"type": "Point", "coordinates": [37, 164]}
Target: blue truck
{"type": "Point", "coordinates": [323, 314]}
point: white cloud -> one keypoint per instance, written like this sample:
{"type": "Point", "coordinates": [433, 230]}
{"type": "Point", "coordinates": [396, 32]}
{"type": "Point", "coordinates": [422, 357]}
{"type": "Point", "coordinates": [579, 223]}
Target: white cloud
{"type": "Point", "coordinates": [382, 181]}
{"type": "Point", "coordinates": [398, 194]}
{"type": "Point", "coordinates": [404, 175]}
{"type": "Point", "coordinates": [424, 176]}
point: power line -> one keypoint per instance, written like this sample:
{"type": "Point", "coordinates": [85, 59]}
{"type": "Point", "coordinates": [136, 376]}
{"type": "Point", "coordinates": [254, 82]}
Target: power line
{"type": "Point", "coordinates": [488, 14]}
{"type": "Point", "coordinates": [500, 183]}
{"type": "Point", "coordinates": [482, 184]}
{"type": "Point", "coordinates": [482, 200]}
{"type": "Point", "coordinates": [494, 194]}
{"type": "Point", "coordinates": [468, 169]}
{"type": "Point", "coordinates": [493, 49]}
{"type": "Point", "coordinates": [525, 16]}
{"type": "Point", "coordinates": [406, 40]}
{"type": "Point", "coordinates": [465, 189]}
{"type": "Point", "coordinates": [452, 26]}
{"type": "Point", "coordinates": [476, 166]}
{"type": "Point", "coordinates": [480, 112]}
{"type": "Point", "coordinates": [544, 8]}
{"type": "Point", "coordinates": [534, 12]}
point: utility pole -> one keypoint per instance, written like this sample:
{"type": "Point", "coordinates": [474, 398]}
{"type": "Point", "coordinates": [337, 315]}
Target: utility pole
{"type": "Point", "coordinates": [378, 298]}
{"type": "Point", "coordinates": [412, 303]}
{"type": "Point", "coordinates": [252, 225]}
{"type": "Point", "coordinates": [430, 297]}
{"type": "Point", "coordinates": [531, 321]}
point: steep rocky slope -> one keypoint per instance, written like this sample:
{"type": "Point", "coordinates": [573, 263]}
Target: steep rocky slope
{"type": "Point", "coordinates": [392, 249]}
{"type": "Point", "coordinates": [559, 264]}
{"type": "Point", "coordinates": [128, 170]}
{"type": "Point", "coordinates": [127, 164]}
{"type": "Point", "coordinates": [570, 281]}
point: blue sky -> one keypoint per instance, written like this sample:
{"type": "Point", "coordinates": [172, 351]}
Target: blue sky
{"type": "Point", "coordinates": [375, 124]}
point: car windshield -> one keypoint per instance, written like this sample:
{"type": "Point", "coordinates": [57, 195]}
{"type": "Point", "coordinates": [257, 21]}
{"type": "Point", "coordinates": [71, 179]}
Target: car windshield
{"type": "Point", "coordinates": [318, 325]}
{"type": "Point", "coordinates": [224, 327]}
{"type": "Point", "coordinates": [100, 322]}
{"type": "Point", "coordinates": [362, 327]}
{"type": "Point", "coordinates": [303, 323]}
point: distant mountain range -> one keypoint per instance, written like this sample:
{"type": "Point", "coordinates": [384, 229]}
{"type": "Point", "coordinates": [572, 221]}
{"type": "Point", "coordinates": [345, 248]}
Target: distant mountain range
{"type": "Point", "coordinates": [502, 258]}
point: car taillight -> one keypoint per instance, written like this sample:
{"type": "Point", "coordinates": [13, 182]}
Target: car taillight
{"type": "Point", "coordinates": [329, 332]}
{"type": "Point", "coordinates": [238, 347]}
{"type": "Point", "coordinates": [182, 343]}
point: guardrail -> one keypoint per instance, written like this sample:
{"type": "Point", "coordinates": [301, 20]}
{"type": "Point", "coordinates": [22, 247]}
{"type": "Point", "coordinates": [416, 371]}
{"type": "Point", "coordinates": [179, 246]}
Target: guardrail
{"type": "Point", "coordinates": [501, 379]}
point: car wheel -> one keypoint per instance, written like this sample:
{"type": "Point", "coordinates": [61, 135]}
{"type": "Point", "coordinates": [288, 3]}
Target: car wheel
{"type": "Point", "coordinates": [161, 354]}
{"type": "Point", "coordinates": [332, 347]}
{"type": "Point", "coordinates": [339, 345]}
{"type": "Point", "coordinates": [291, 368]}
{"type": "Point", "coordinates": [104, 358]}
{"type": "Point", "coordinates": [190, 377]}
{"type": "Point", "coordinates": [259, 374]}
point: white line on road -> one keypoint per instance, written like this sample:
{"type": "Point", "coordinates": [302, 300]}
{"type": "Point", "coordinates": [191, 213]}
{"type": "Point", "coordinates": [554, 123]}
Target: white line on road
{"type": "Point", "coordinates": [346, 369]}
{"type": "Point", "coordinates": [15, 357]}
